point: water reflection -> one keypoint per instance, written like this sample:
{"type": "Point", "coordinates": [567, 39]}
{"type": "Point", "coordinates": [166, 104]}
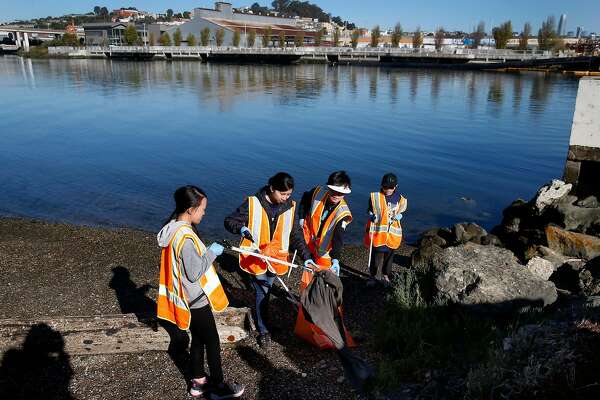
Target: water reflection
{"type": "Point", "coordinates": [442, 136]}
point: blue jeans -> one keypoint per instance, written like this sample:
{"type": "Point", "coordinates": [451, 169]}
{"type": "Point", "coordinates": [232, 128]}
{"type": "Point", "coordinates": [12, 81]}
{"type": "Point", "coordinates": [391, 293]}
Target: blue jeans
{"type": "Point", "coordinates": [262, 285]}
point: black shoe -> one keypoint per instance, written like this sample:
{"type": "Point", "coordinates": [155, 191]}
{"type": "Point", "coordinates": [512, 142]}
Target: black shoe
{"type": "Point", "coordinates": [226, 391]}
{"type": "Point", "coordinates": [264, 340]}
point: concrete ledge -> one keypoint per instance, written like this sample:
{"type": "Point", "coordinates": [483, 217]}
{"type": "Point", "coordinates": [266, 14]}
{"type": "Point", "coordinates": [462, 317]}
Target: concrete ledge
{"type": "Point", "coordinates": [584, 153]}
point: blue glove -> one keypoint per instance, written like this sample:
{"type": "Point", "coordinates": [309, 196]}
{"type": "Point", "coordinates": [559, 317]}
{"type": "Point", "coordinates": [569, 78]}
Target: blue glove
{"type": "Point", "coordinates": [246, 234]}
{"type": "Point", "coordinates": [398, 217]}
{"type": "Point", "coordinates": [373, 217]}
{"type": "Point", "coordinates": [301, 223]}
{"type": "Point", "coordinates": [310, 264]}
{"type": "Point", "coordinates": [335, 267]}
{"type": "Point", "coordinates": [216, 249]}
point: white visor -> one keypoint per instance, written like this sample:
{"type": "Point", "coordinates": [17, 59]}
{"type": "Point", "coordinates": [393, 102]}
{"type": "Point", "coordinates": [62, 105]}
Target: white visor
{"type": "Point", "coordinates": [340, 189]}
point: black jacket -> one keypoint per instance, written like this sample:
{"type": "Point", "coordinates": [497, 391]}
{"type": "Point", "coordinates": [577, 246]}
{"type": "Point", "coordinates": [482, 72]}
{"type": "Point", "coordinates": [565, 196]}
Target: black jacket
{"type": "Point", "coordinates": [338, 234]}
{"type": "Point", "coordinates": [235, 221]}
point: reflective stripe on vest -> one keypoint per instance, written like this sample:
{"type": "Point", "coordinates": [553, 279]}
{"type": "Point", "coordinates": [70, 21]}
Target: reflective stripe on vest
{"type": "Point", "coordinates": [260, 228]}
{"type": "Point", "coordinates": [320, 245]}
{"type": "Point", "coordinates": [386, 231]}
{"type": "Point", "coordinates": [172, 304]}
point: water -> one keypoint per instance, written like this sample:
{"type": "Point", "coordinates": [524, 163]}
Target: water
{"type": "Point", "coordinates": [106, 143]}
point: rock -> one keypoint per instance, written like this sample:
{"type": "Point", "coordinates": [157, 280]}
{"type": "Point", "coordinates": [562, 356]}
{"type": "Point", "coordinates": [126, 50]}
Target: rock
{"type": "Point", "coordinates": [491, 240]}
{"type": "Point", "coordinates": [340, 379]}
{"type": "Point", "coordinates": [424, 255]}
{"type": "Point", "coordinates": [432, 240]}
{"type": "Point", "coordinates": [517, 209]}
{"type": "Point", "coordinates": [473, 274]}
{"type": "Point", "coordinates": [468, 232]}
{"type": "Point", "coordinates": [574, 218]}
{"type": "Point", "coordinates": [548, 254]}
{"type": "Point", "coordinates": [550, 194]}
{"type": "Point", "coordinates": [571, 243]}
{"type": "Point", "coordinates": [588, 202]}
{"type": "Point", "coordinates": [566, 277]}
{"type": "Point", "coordinates": [540, 267]}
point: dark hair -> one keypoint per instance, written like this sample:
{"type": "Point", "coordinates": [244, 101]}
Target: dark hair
{"type": "Point", "coordinates": [389, 181]}
{"type": "Point", "coordinates": [186, 197]}
{"type": "Point", "coordinates": [339, 178]}
{"type": "Point", "coordinates": [281, 181]}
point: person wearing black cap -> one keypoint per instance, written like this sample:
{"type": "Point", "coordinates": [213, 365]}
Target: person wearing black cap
{"type": "Point", "coordinates": [383, 232]}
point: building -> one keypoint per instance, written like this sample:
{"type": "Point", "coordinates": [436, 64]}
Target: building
{"type": "Point", "coordinates": [224, 18]}
{"type": "Point", "coordinates": [111, 33]}
{"type": "Point", "coordinates": [562, 26]}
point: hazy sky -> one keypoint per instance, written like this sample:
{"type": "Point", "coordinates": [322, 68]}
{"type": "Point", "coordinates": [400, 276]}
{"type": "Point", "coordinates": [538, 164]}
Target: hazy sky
{"type": "Point", "coordinates": [452, 15]}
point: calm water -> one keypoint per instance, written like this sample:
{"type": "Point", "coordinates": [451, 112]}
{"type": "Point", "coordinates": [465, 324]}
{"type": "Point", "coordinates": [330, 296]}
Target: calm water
{"type": "Point", "coordinates": [106, 143]}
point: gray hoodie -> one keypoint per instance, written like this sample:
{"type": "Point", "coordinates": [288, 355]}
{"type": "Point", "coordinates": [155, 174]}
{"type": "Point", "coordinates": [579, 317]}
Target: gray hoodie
{"type": "Point", "coordinates": [194, 265]}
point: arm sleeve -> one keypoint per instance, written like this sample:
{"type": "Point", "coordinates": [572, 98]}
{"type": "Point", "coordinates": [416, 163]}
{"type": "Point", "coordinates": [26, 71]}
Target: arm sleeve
{"type": "Point", "coordinates": [297, 242]}
{"type": "Point", "coordinates": [235, 221]}
{"type": "Point", "coordinates": [195, 265]}
{"type": "Point", "coordinates": [370, 208]}
{"type": "Point", "coordinates": [403, 204]}
{"type": "Point", "coordinates": [338, 240]}
{"type": "Point", "coordinates": [304, 209]}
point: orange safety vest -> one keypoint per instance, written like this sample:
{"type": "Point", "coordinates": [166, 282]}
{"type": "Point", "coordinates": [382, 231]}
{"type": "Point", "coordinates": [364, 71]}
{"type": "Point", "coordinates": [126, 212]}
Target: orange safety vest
{"type": "Point", "coordinates": [320, 245]}
{"type": "Point", "coordinates": [172, 304]}
{"type": "Point", "coordinates": [276, 247]}
{"type": "Point", "coordinates": [386, 231]}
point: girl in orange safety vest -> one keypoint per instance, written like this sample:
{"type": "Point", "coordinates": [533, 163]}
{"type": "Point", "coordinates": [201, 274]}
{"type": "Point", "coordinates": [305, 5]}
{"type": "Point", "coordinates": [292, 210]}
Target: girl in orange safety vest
{"type": "Point", "coordinates": [383, 228]}
{"type": "Point", "coordinates": [189, 291]}
{"type": "Point", "coordinates": [324, 216]}
{"type": "Point", "coordinates": [267, 224]}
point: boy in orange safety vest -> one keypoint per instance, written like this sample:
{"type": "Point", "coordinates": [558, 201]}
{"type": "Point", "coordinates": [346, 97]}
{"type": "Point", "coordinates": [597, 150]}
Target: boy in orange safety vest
{"type": "Point", "coordinates": [383, 230]}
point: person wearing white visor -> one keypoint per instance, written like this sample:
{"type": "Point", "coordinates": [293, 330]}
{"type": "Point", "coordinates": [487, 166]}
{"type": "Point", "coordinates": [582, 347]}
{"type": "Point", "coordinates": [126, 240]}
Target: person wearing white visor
{"type": "Point", "coordinates": [324, 216]}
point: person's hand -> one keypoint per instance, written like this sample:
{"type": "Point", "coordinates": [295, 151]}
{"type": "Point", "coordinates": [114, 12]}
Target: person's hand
{"type": "Point", "coordinates": [310, 264]}
{"type": "Point", "coordinates": [398, 217]}
{"type": "Point", "coordinates": [216, 249]}
{"type": "Point", "coordinates": [246, 234]}
{"type": "Point", "coordinates": [301, 223]}
{"type": "Point", "coordinates": [373, 217]}
{"type": "Point", "coordinates": [335, 267]}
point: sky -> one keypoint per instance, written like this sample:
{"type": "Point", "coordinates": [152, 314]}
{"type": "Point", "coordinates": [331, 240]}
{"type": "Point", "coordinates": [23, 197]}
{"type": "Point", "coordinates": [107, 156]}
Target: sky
{"type": "Point", "coordinates": [430, 14]}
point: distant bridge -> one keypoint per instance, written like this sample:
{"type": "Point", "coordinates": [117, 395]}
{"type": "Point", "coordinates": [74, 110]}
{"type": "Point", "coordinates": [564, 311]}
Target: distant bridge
{"type": "Point", "coordinates": [21, 37]}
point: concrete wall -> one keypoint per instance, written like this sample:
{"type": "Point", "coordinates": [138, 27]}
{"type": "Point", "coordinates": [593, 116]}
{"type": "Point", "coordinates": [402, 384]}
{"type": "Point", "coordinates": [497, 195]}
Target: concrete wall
{"type": "Point", "coordinates": [586, 121]}
{"type": "Point", "coordinates": [582, 168]}
{"type": "Point", "coordinates": [227, 13]}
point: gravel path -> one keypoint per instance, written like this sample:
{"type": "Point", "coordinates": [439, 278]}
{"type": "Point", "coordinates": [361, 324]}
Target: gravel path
{"type": "Point", "coordinates": [59, 270]}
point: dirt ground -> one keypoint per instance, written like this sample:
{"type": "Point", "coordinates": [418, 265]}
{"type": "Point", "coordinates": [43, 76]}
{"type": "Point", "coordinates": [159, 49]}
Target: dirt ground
{"type": "Point", "coordinates": [64, 270]}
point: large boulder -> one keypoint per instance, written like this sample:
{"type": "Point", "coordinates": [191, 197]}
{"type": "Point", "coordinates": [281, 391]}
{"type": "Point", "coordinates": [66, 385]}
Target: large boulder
{"type": "Point", "coordinates": [571, 243]}
{"type": "Point", "coordinates": [550, 194]}
{"type": "Point", "coordinates": [468, 232]}
{"type": "Point", "coordinates": [477, 275]}
{"type": "Point", "coordinates": [589, 278]}
{"type": "Point", "coordinates": [540, 267]}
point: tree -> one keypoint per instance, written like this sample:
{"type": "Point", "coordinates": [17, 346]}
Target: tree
{"type": "Point", "coordinates": [177, 37]}
{"type": "Point", "coordinates": [151, 39]}
{"type": "Point", "coordinates": [169, 14]}
{"type": "Point", "coordinates": [251, 39]}
{"type": "Point", "coordinates": [319, 36]}
{"type": "Point", "coordinates": [97, 10]}
{"type": "Point", "coordinates": [547, 34]}
{"type": "Point", "coordinates": [220, 36]}
{"type": "Point", "coordinates": [417, 39]}
{"type": "Point", "coordinates": [191, 40]}
{"type": "Point", "coordinates": [131, 35]}
{"type": "Point", "coordinates": [236, 38]}
{"type": "Point", "coordinates": [165, 39]}
{"type": "Point", "coordinates": [478, 34]}
{"type": "Point", "coordinates": [205, 36]}
{"type": "Point", "coordinates": [438, 38]}
{"type": "Point", "coordinates": [502, 34]}
{"type": "Point", "coordinates": [282, 39]}
{"type": "Point", "coordinates": [397, 35]}
{"type": "Point", "coordinates": [525, 35]}
{"type": "Point", "coordinates": [336, 37]}
{"type": "Point", "coordinates": [354, 38]}
{"type": "Point", "coordinates": [266, 39]}
{"type": "Point", "coordinates": [375, 36]}
{"type": "Point", "coordinates": [69, 39]}
{"type": "Point", "coordinates": [187, 15]}
{"type": "Point", "coordinates": [104, 12]}
{"type": "Point", "coordinates": [299, 39]}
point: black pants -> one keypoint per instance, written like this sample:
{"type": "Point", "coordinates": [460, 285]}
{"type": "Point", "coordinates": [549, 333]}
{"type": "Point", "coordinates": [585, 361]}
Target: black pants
{"type": "Point", "coordinates": [205, 336]}
{"type": "Point", "coordinates": [381, 261]}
